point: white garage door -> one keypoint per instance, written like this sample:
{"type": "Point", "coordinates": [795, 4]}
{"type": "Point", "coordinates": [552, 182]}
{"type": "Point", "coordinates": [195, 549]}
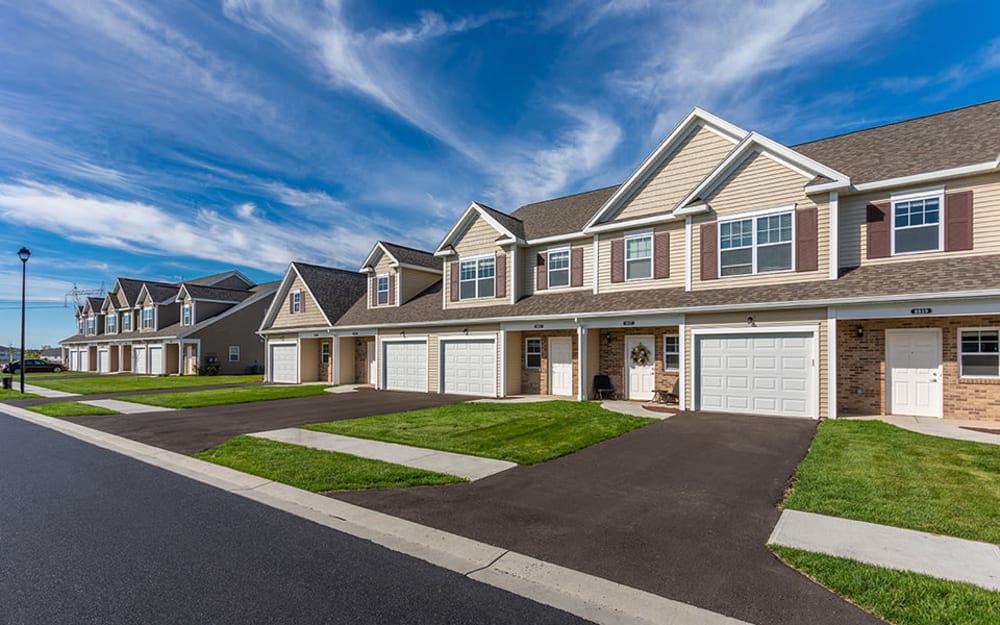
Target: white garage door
{"type": "Point", "coordinates": [469, 367]}
{"type": "Point", "coordinates": [405, 366]}
{"type": "Point", "coordinates": [768, 374]}
{"type": "Point", "coordinates": [284, 363]}
{"type": "Point", "coordinates": [156, 360]}
{"type": "Point", "coordinates": [104, 361]}
{"type": "Point", "coordinates": [85, 360]}
{"type": "Point", "coordinates": [139, 356]}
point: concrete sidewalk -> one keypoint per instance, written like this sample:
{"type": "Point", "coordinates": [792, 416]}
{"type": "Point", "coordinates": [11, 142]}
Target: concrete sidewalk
{"type": "Point", "coordinates": [471, 468]}
{"type": "Point", "coordinates": [125, 407]}
{"type": "Point", "coordinates": [945, 428]}
{"type": "Point", "coordinates": [943, 557]}
{"type": "Point", "coordinates": [44, 392]}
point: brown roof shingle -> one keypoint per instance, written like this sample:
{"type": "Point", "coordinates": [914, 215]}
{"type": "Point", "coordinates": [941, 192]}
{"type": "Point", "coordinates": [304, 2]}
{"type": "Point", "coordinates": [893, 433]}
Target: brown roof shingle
{"type": "Point", "coordinates": [412, 256]}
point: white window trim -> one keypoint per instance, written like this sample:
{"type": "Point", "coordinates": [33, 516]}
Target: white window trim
{"type": "Point", "coordinates": [672, 353]}
{"type": "Point", "coordinates": [296, 305]}
{"type": "Point", "coordinates": [142, 318]}
{"type": "Point", "coordinates": [325, 352]}
{"type": "Point", "coordinates": [109, 317]}
{"type": "Point", "coordinates": [231, 359]}
{"type": "Point", "coordinates": [568, 270]}
{"type": "Point", "coordinates": [127, 315]}
{"type": "Point", "coordinates": [909, 196]}
{"type": "Point", "coordinates": [190, 309]}
{"type": "Point", "coordinates": [533, 338]}
{"type": "Point", "coordinates": [754, 216]}
{"type": "Point", "coordinates": [379, 291]}
{"type": "Point", "coordinates": [476, 258]}
{"type": "Point", "coordinates": [958, 337]}
{"type": "Point", "coordinates": [631, 236]}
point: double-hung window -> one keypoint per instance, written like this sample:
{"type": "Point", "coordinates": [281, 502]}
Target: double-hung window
{"type": "Point", "coordinates": [111, 324]}
{"type": "Point", "coordinates": [532, 353]}
{"type": "Point", "coordinates": [147, 318]}
{"type": "Point", "coordinates": [324, 353]}
{"type": "Point", "coordinates": [79, 326]}
{"type": "Point", "coordinates": [916, 224]}
{"type": "Point", "coordinates": [639, 257]}
{"type": "Point", "coordinates": [558, 263]}
{"type": "Point", "coordinates": [476, 278]}
{"type": "Point", "coordinates": [186, 315]}
{"type": "Point", "coordinates": [91, 326]}
{"type": "Point", "coordinates": [671, 352]}
{"type": "Point", "coordinates": [296, 302]}
{"type": "Point", "coordinates": [755, 245]}
{"type": "Point", "coordinates": [980, 353]}
{"type": "Point", "coordinates": [234, 353]}
{"type": "Point", "coordinates": [382, 290]}
{"type": "Point", "coordinates": [127, 321]}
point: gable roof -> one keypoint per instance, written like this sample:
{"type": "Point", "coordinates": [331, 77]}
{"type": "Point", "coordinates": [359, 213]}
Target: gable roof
{"type": "Point", "coordinates": [402, 255]}
{"type": "Point", "coordinates": [562, 215]}
{"type": "Point", "coordinates": [217, 294]}
{"type": "Point", "coordinates": [93, 304]}
{"type": "Point", "coordinates": [219, 277]}
{"type": "Point", "coordinates": [503, 223]}
{"type": "Point", "coordinates": [334, 290]}
{"type": "Point", "coordinates": [129, 288]}
{"type": "Point", "coordinates": [947, 140]}
{"type": "Point", "coordinates": [159, 291]}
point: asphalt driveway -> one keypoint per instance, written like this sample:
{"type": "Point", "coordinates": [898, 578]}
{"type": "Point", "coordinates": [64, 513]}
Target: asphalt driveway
{"type": "Point", "coordinates": [196, 429]}
{"type": "Point", "coordinates": [682, 508]}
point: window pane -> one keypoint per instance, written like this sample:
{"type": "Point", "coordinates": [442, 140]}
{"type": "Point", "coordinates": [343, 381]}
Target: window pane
{"type": "Point", "coordinates": [671, 362]}
{"type": "Point", "coordinates": [670, 344]}
{"type": "Point", "coordinates": [559, 260]}
{"type": "Point", "coordinates": [981, 366]}
{"type": "Point", "coordinates": [486, 268]}
{"type": "Point", "coordinates": [534, 346]}
{"type": "Point", "coordinates": [383, 283]}
{"type": "Point", "coordinates": [639, 248]}
{"type": "Point", "coordinates": [774, 258]}
{"type": "Point", "coordinates": [468, 290]}
{"type": "Point", "coordinates": [737, 262]}
{"type": "Point", "coordinates": [733, 234]}
{"type": "Point", "coordinates": [533, 361]}
{"type": "Point", "coordinates": [558, 277]}
{"type": "Point", "coordinates": [919, 239]}
{"type": "Point", "coordinates": [638, 269]}
{"type": "Point", "coordinates": [383, 297]}
{"type": "Point", "coordinates": [467, 270]}
{"type": "Point", "coordinates": [486, 287]}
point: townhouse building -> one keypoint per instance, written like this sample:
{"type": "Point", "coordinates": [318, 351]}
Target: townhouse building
{"type": "Point", "coordinates": [856, 274]}
{"type": "Point", "coordinates": [149, 327]}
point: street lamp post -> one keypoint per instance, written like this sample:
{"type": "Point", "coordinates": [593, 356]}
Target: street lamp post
{"type": "Point", "coordinates": [23, 254]}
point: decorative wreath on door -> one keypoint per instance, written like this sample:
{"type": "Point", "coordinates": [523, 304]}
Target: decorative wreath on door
{"type": "Point", "coordinates": [640, 355]}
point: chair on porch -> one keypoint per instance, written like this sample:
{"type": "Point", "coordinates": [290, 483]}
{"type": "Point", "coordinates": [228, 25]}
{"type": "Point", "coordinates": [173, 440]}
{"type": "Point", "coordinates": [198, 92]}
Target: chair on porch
{"type": "Point", "coordinates": [669, 397]}
{"type": "Point", "coordinates": [603, 389]}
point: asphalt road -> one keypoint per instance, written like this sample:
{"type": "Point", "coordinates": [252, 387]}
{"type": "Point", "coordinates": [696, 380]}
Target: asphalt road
{"type": "Point", "coordinates": [91, 537]}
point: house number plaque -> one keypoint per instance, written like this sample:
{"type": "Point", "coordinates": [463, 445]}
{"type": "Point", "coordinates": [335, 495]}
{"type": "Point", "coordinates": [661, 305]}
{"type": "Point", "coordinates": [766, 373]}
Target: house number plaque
{"type": "Point", "coordinates": [920, 311]}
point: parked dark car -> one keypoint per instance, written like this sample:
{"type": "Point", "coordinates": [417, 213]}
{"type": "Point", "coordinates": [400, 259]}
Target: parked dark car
{"type": "Point", "coordinates": [33, 365]}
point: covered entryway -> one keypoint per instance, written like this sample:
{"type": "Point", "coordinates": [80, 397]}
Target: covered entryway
{"type": "Point", "coordinates": [561, 365]}
{"type": "Point", "coordinates": [156, 360]}
{"type": "Point", "coordinates": [766, 373]}
{"type": "Point", "coordinates": [284, 361]}
{"type": "Point", "coordinates": [468, 367]}
{"type": "Point", "coordinates": [913, 372]}
{"type": "Point", "coordinates": [139, 360]}
{"type": "Point", "coordinates": [640, 360]}
{"type": "Point", "coordinates": [404, 365]}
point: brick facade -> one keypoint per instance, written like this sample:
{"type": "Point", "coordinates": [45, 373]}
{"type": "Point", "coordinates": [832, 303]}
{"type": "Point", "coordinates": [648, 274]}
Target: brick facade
{"type": "Point", "coordinates": [861, 369]}
{"type": "Point", "coordinates": [536, 381]}
{"type": "Point", "coordinates": [613, 357]}
{"type": "Point", "coordinates": [325, 369]}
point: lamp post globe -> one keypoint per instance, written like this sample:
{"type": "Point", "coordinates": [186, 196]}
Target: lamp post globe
{"type": "Point", "coordinates": [23, 254]}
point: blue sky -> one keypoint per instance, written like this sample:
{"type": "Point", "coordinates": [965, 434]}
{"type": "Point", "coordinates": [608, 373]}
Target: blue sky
{"type": "Point", "coordinates": [170, 140]}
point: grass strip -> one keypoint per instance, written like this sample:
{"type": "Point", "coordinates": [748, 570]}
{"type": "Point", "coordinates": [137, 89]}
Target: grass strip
{"type": "Point", "coordinates": [11, 394]}
{"type": "Point", "coordinates": [526, 433]}
{"type": "Point", "coordinates": [222, 396]}
{"type": "Point", "coordinates": [124, 383]}
{"type": "Point", "coordinates": [70, 409]}
{"type": "Point", "coordinates": [876, 472]}
{"type": "Point", "coordinates": [899, 597]}
{"type": "Point", "coordinates": [316, 470]}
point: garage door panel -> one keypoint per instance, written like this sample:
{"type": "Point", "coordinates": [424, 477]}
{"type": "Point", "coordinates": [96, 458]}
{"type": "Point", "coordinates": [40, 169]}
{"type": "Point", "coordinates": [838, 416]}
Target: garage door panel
{"type": "Point", "coordinates": [284, 363]}
{"type": "Point", "coordinates": [404, 366]}
{"type": "Point", "coordinates": [469, 367]}
{"type": "Point", "coordinates": [155, 360]}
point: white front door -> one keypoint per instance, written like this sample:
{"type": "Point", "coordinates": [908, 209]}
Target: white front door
{"type": "Point", "coordinates": [104, 361]}
{"type": "Point", "coordinates": [372, 365]}
{"type": "Point", "coordinates": [561, 365]}
{"type": "Point", "coordinates": [640, 364]}
{"type": "Point", "coordinates": [156, 360]}
{"type": "Point", "coordinates": [913, 371]}
{"type": "Point", "coordinates": [139, 355]}
{"type": "Point", "coordinates": [469, 367]}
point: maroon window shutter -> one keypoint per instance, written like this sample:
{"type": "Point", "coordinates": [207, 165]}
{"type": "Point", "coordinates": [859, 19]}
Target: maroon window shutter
{"type": "Point", "coordinates": [453, 286]}
{"type": "Point", "coordinates": [541, 271]}
{"type": "Point", "coordinates": [958, 221]}
{"type": "Point", "coordinates": [879, 220]}
{"type": "Point", "coordinates": [501, 274]}
{"type": "Point", "coordinates": [373, 292]}
{"type": "Point", "coordinates": [661, 255]}
{"type": "Point", "coordinates": [710, 251]}
{"type": "Point", "coordinates": [806, 239]}
{"type": "Point", "coordinates": [392, 290]}
{"type": "Point", "coordinates": [576, 266]}
{"type": "Point", "coordinates": [302, 302]}
{"type": "Point", "coordinates": [618, 260]}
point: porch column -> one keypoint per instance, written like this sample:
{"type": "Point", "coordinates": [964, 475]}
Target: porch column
{"type": "Point", "coordinates": [831, 363]}
{"type": "Point", "coordinates": [682, 368]}
{"type": "Point", "coordinates": [581, 363]}
{"type": "Point", "coordinates": [180, 357]}
{"type": "Point", "coordinates": [502, 346]}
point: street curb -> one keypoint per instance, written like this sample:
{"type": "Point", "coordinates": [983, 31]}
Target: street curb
{"type": "Point", "coordinates": [943, 557]}
{"type": "Point", "coordinates": [586, 596]}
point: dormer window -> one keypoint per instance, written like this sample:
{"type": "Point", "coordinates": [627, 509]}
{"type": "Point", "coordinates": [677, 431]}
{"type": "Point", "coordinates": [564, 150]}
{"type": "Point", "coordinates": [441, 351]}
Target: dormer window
{"type": "Point", "coordinates": [477, 278]}
{"type": "Point", "coordinates": [111, 324]}
{"type": "Point", "coordinates": [558, 266]}
{"type": "Point", "coordinates": [916, 222]}
{"type": "Point", "coordinates": [79, 326]}
{"type": "Point", "coordinates": [382, 290]}
{"type": "Point", "coordinates": [296, 302]}
{"type": "Point", "coordinates": [186, 315]}
{"type": "Point", "coordinates": [127, 321]}
{"type": "Point", "coordinates": [147, 318]}
{"type": "Point", "coordinates": [91, 326]}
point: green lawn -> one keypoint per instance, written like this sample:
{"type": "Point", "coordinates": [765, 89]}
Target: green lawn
{"type": "Point", "coordinates": [124, 383]}
{"type": "Point", "coordinates": [60, 375]}
{"type": "Point", "coordinates": [876, 472]}
{"type": "Point", "coordinates": [522, 433]}
{"type": "Point", "coordinates": [316, 470]}
{"type": "Point", "coordinates": [12, 394]}
{"type": "Point", "coordinates": [897, 596]}
{"type": "Point", "coordinates": [70, 409]}
{"type": "Point", "coordinates": [220, 396]}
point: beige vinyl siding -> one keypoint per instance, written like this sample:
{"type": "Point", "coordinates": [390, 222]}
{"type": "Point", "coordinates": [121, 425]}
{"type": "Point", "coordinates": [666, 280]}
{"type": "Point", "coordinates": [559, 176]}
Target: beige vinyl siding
{"type": "Point", "coordinates": [528, 258]}
{"type": "Point", "coordinates": [312, 317]}
{"type": "Point", "coordinates": [413, 282]}
{"type": "Point", "coordinates": [986, 221]}
{"type": "Point", "coordinates": [433, 336]}
{"type": "Point", "coordinates": [477, 240]}
{"type": "Point", "coordinates": [760, 183]}
{"type": "Point", "coordinates": [762, 319]}
{"type": "Point", "coordinates": [676, 279]}
{"type": "Point", "coordinates": [697, 155]}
